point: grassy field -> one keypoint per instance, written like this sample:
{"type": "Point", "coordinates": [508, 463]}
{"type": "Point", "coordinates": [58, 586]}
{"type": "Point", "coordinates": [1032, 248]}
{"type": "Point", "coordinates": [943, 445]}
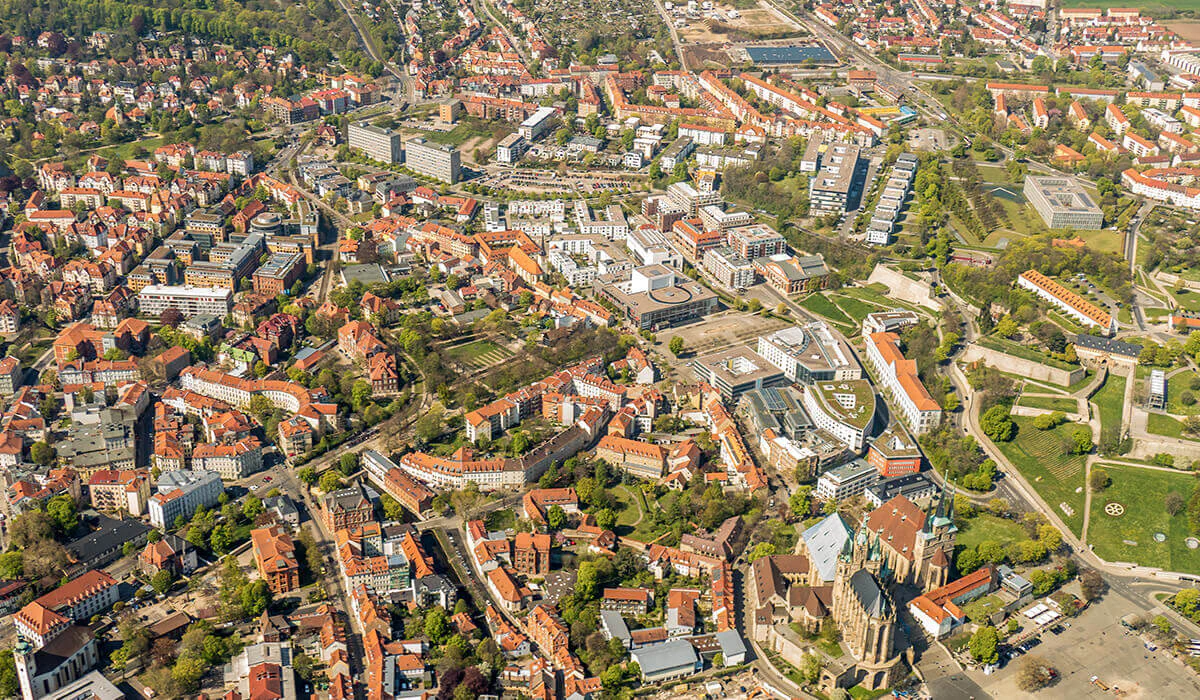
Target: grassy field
{"type": "Point", "coordinates": [1164, 425]}
{"type": "Point", "coordinates": [1110, 401]}
{"type": "Point", "coordinates": [1187, 299]}
{"type": "Point", "coordinates": [985, 527]}
{"type": "Point", "coordinates": [1142, 493]}
{"type": "Point", "coordinates": [1176, 386]}
{"type": "Point", "coordinates": [1049, 403]}
{"type": "Point", "coordinates": [1044, 458]}
{"type": "Point", "coordinates": [820, 305]}
{"type": "Point", "coordinates": [855, 308]}
{"type": "Point", "coordinates": [1103, 240]}
{"type": "Point", "coordinates": [479, 353]}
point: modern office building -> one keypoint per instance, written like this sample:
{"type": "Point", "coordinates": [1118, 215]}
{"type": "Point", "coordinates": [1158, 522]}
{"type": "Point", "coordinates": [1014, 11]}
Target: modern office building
{"type": "Point", "coordinates": [1062, 203]}
{"type": "Point", "coordinates": [439, 161]}
{"type": "Point", "coordinates": [846, 481]}
{"type": "Point", "coordinates": [731, 270]}
{"type": "Point", "coordinates": [180, 492]}
{"type": "Point", "coordinates": [735, 371]}
{"type": "Point", "coordinates": [810, 353]}
{"type": "Point", "coordinates": [189, 301]}
{"type": "Point", "coordinates": [844, 409]}
{"type": "Point", "coordinates": [383, 145]}
{"type": "Point", "coordinates": [656, 296]}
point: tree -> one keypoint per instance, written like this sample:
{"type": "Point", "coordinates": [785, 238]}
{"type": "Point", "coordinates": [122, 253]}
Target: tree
{"type": "Point", "coordinates": [252, 508]}
{"type": "Point", "coordinates": [1081, 441]}
{"type": "Point", "coordinates": [307, 475]}
{"type": "Point", "coordinates": [162, 581]}
{"type": "Point", "coordinates": [330, 481]}
{"type": "Point", "coordinates": [984, 644]}
{"type": "Point", "coordinates": [392, 510]}
{"type": "Point", "coordinates": [1049, 421]}
{"type": "Point", "coordinates": [12, 565]}
{"type": "Point", "coordinates": [1098, 480]}
{"type": "Point", "coordinates": [997, 424]}
{"type": "Point", "coordinates": [1034, 673]}
{"type": "Point", "coordinates": [675, 346]}
{"type": "Point", "coordinates": [437, 626]}
{"type": "Point", "coordinates": [556, 517]}
{"type": "Point", "coordinates": [801, 502]}
{"type": "Point", "coordinates": [606, 519]}
{"type": "Point", "coordinates": [1091, 583]}
{"type": "Point", "coordinates": [42, 453]}
{"type": "Point", "coordinates": [348, 462]}
{"type": "Point", "coordinates": [63, 513]}
{"type": "Point", "coordinates": [762, 549]}
{"type": "Point", "coordinates": [1174, 503]}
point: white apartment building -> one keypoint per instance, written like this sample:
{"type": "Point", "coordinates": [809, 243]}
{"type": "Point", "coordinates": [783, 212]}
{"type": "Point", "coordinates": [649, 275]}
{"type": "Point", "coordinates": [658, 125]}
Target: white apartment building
{"type": "Point", "coordinates": [180, 492]}
{"type": "Point", "coordinates": [846, 481]}
{"type": "Point", "coordinates": [898, 378]}
{"type": "Point", "coordinates": [189, 301]}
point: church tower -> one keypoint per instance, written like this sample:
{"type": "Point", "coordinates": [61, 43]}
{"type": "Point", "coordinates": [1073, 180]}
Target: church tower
{"type": "Point", "coordinates": [864, 612]}
{"type": "Point", "coordinates": [934, 545]}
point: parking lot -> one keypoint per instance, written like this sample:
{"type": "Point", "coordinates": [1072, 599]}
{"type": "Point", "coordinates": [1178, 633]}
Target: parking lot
{"type": "Point", "coordinates": [1097, 645]}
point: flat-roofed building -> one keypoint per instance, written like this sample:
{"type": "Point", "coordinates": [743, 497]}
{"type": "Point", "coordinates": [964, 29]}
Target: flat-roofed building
{"type": "Point", "coordinates": [845, 409]}
{"type": "Point", "coordinates": [537, 124]}
{"type": "Point", "coordinates": [278, 273]}
{"type": "Point", "coordinates": [511, 148]}
{"type": "Point", "coordinates": [731, 270]}
{"type": "Point", "coordinates": [375, 142]}
{"type": "Point", "coordinates": [836, 182]}
{"type": "Point", "coordinates": [439, 161]}
{"type": "Point", "coordinates": [188, 300]}
{"type": "Point", "coordinates": [1062, 203]}
{"type": "Point", "coordinates": [846, 481]}
{"type": "Point", "coordinates": [655, 296]}
{"type": "Point", "coordinates": [810, 353]}
{"type": "Point", "coordinates": [895, 453]}
{"type": "Point", "coordinates": [735, 371]}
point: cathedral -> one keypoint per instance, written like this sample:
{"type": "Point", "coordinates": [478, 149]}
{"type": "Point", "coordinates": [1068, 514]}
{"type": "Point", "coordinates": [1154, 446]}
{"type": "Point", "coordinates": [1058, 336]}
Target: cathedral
{"type": "Point", "coordinates": [897, 544]}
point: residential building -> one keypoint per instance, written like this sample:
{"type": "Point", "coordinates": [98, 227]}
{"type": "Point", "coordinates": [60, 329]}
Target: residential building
{"type": "Point", "coordinates": [836, 183]}
{"type": "Point", "coordinates": [180, 492]}
{"type": "Point", "coordinates": [275, 556]}
{"type": "Point", "coordinates": [190, 301]}
{"type": "Point", "coordinates": [380, 144]}
{"type": "Point", "coordinates": [439, 161]}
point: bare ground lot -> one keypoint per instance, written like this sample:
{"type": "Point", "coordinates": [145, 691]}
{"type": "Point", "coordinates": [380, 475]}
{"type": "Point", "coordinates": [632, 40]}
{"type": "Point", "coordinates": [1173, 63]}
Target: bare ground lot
{"type": "Point", "coordinates": [1186, 29]}
{"type": "Point", "coordinates": [719, 332]}
{"type": "Point", "coordinates": [750, 24]}
{"type": "Point", "coordinates": [1097, 645]}
{"type": "Point", "coordinates": [706, 55]}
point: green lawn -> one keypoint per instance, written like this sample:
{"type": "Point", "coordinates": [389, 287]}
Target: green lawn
{"type": "Point", "coordinates": [1142, 492]}
{"type": "Point", "coordinates": [1164, 425]}
{"type": "Point", "coordinates": [1044, 459]}
{"type": "Point", "coordinates": [479, 353]}
{"type": "Point", "coordinates": [1187, 299]}
{"type": "Point", "coordinates": [1176, 387]}
{"type": "Point", "coordinates": [1110, 400]}
{"type": "Point", "coordinates": [1049, 403]}
{"type": "Point", "coordinates": [855, 308]}
{"type": "Point", "coordinates": [985, 527]}
{"type": "Point", "coordinates": [1087, 377]}
{"type": "Point", "coordinates": [821, 306]}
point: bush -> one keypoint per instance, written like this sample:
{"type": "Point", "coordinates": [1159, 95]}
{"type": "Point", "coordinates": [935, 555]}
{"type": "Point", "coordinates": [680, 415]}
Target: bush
{"type": "Point", "coordinates": [1049, 421]}
{"type": "Point", "coordinates": [1099, 480]}
{"type": "Point", "coordinates": [1187, 398]}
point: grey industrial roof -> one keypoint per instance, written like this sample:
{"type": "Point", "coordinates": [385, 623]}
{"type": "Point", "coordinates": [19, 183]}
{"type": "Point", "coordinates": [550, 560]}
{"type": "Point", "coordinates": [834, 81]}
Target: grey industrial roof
{"type": "Point", "coordinates": [658, 658]}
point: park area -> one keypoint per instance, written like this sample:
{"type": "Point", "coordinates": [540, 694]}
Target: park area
{"type": "Point", "coordinates": [1050, 403]}
{"type": "Point", "coordinates": [1130, 521]}
{"type": "Point", "coordinates": [478, 353]}
{"type": "Point", "coordinates": [1045, 460]}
